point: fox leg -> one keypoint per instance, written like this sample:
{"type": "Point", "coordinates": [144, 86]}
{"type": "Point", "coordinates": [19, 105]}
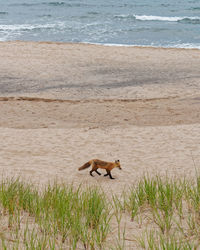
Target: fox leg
{"type": "Point", "coordinates": [94, 168]}
{"type": "Point", "coordinates": [109, 173]}
{"type": "Point", "coordinates": [97, 172]}
{"type": "Point", "coordinates": [91, 173]}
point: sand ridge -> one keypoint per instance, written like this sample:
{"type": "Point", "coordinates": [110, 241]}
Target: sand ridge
{"type": "Point", "coordinates": [34, 113]}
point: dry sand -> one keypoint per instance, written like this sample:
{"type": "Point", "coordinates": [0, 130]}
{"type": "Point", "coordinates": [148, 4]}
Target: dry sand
{"type": "Point", "coordinates": [63, 104]}
{"type": "Point", "coordinates": [45, 140]}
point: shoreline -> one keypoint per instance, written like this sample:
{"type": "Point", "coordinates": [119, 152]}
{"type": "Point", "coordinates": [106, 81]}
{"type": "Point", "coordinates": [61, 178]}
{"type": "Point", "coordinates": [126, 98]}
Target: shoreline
{"type": "Point", "coordinates": [141, 46]}
{"type": "Point", "coordinates": [181, 47]}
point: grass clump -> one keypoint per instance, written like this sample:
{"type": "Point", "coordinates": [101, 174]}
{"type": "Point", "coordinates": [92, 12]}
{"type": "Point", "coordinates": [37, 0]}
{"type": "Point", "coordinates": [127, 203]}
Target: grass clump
{"type": "Point", "coordinates": [171, 206]}
{"type": "Point", "coordinates": [62, 214]}
{"type": "Point", "coordinates": [154, 240]}
{"type": "Point", "coordinates": [165, 212]}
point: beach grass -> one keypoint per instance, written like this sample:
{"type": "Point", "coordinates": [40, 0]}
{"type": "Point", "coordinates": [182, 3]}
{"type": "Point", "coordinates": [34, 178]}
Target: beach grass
{"type": "Point", "coordinates": [64, 217]}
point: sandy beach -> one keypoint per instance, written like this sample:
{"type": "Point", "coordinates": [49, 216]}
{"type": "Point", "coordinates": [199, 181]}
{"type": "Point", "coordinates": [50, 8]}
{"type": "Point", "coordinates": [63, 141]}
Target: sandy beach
{"type": "Point", "coordinates": [64, 104]}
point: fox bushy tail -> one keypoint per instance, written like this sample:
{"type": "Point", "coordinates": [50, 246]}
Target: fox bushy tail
{"type": "Point", "coordinates": [86, 165]}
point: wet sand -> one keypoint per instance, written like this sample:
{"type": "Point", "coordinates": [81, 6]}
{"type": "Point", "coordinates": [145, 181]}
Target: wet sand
{"type": "Point", "coordinates": [81, 71]}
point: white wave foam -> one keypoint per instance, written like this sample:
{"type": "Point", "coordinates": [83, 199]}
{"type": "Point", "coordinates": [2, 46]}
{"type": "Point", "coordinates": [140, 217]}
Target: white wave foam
{"type": "Point", "coordinates": [19, 27]}
{"type": "Point", "coordinates": [3, 39]}
{"type": "Point", "coordinates": [178, 46]}
{"type": "Point", "coordinates": [187, 46]}
{"type": "Point", "coordinates": [163, 18]}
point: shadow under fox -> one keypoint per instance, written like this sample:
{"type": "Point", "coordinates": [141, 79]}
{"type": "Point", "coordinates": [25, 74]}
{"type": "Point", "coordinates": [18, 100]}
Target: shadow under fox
{"type": "Point", "coordinates": [108, 166]}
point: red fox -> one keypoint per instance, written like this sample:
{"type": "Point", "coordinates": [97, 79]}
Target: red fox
{"type": "Point", "coordinates": [108, 166]}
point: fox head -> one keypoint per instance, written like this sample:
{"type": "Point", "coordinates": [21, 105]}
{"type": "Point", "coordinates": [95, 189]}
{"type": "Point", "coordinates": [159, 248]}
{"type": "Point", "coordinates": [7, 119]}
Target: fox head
{"type": "Point", "coordinates": [117, 162]}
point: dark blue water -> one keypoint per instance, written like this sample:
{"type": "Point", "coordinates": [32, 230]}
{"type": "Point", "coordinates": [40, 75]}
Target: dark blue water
{"type": "Point", "coordinates": [165, 23]}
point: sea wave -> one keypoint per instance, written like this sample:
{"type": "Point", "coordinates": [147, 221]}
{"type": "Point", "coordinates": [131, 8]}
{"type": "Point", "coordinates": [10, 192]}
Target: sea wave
{"type": "Point", "coordinates": [195, 8]}
{"type": "Point", "coordinates": [3, 13]}
{"type": "Point", "coordinates": [71, 4]}
{"type": "Point", "coordinates": [55, 3]}
{"type": "Point", "coordinates": [178, 46]}
{"type": "Point", "coordinates": [26, 27]}
{"type": "Point", "coordinates": [168, 19]}
{"type": "Point", "coordinates": [52, 4]}
{"type": "Point", "coordinates": [157, 18]}
{"type": "Point", "coordinates": [161, 18]}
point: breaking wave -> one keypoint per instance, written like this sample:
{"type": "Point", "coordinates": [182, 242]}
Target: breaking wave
{"type": "Point", "coordinates": [161, 18]}
{"type": "Point", "coordinates": [26, 27]}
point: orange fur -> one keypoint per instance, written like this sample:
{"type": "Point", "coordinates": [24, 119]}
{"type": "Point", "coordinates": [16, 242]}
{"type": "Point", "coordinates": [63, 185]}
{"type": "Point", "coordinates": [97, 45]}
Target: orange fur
{"type": "Point", "coordinates": [86, 165]}
{"type": "Point", "coordinates": [108, 166]}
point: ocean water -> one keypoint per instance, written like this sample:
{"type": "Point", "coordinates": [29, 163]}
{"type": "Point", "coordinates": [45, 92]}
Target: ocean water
{"type": "Point", "coordinates": [165, 23]}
